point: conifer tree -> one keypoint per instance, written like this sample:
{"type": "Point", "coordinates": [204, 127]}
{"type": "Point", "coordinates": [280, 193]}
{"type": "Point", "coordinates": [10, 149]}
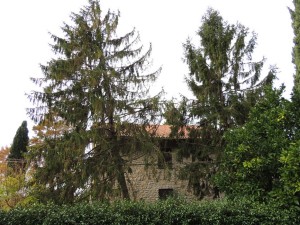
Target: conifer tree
{"type": "Point", "coordinates": [18, 147]}
{"type": "Point", "coordinates": [225, 83]}
{"type": "Point", "coordinates": [99, 87]}
{"type": "Point", "coordinates": [295, 14]}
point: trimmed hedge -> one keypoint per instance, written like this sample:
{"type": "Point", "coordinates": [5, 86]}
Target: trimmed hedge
{"type": "Point", "coordinates": [167, 212]}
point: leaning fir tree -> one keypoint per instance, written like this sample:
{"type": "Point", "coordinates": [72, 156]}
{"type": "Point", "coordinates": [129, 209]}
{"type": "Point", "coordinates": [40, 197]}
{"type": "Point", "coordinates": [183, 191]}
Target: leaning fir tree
{"type": "Point", "coordinates": [226, 83]}
{"type": "Point", "coordinates": [98, 89]}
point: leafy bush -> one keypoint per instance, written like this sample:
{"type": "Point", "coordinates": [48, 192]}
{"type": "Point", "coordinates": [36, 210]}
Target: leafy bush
{"type": "Point", "coordinates": [167, 212]}
{"type": "Point", "coordinates": [259, 161]}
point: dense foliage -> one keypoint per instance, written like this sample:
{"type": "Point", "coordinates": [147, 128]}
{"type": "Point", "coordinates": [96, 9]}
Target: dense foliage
{"type": "Point", "coordinates": [162, 213]}
{"type": "Point", "coordinates": [98, 89]}
{"type": "Point", "coordinates": [290, 174]}
{"type": "Point", "coordinates": [13, 172]}
{"type": "Point", "coordinates": [261, 157]}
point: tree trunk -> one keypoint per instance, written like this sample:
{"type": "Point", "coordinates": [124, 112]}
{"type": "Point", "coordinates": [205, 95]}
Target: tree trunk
{"type": "Point", "coordinates": [121, 175]}
{"type": "Point", "coordinates": [122, 182]}
{"type": "Point", "coordinates": [118, 162]}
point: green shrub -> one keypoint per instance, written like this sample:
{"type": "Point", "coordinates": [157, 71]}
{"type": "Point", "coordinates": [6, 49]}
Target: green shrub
{"type": "Point", "coordinates": [179, 212]}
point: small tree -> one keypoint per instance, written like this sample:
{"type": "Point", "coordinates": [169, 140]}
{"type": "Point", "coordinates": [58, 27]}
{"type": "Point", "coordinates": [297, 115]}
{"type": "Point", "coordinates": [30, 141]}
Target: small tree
{"type": "Point", "coordinates": [13, 190]}
{"type": "Point", "coordinates": [19, 147]}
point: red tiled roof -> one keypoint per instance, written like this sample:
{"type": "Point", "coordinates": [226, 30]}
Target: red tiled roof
{"type": "Point", "coordinates": [165, 131]}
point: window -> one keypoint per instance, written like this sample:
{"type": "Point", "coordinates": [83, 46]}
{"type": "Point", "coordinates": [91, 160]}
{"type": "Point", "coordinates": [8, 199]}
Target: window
{"type": "Point", "coordinates": [165, 193]}
{"type": "Point", "coordinates": [166, 160]}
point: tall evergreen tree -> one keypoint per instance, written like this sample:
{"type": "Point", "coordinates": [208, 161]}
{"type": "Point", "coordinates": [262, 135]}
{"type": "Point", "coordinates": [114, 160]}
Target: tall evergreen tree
{"type": "Point", "coordinates": [295, 14]}
{"type": "Point", "coordinates": [226, 84]}
{"type": "Point", "coordinates": [19, 147]}
{"type": "Point", "coordinates": [99, 87]}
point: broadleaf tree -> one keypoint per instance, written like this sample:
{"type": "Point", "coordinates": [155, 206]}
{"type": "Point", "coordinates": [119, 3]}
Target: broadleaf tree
{"type": "Point", "coordinates": [290, 174]}
{"type": "Point", "coordinates": [4, 151]}
{"type": "Point", "coordinates": [251, 165]}
{"type": "Point", "coordinates": [225, 82]}
{"type": "Point", "coordinates": [98, 85]}
{"type": "Point", "coordinates": [13, 190]}
{"type": "Point", "coordinates": [261, 158]}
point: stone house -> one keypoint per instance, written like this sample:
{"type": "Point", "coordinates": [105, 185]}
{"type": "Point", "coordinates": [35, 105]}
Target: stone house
{"type": "Point", "coordinates": [162, 181]}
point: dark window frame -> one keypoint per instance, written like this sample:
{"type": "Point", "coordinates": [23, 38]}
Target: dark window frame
{"type": "Point", "coordinates": [164, 193]}
{"type": "Point", "coordinates": [166, 161]}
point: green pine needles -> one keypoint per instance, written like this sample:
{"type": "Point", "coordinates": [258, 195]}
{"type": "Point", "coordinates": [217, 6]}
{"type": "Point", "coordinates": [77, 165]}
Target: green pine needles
{"type": "Point", "coordinates": [226, 83]}
{"type": "Point", "coordinates": [98, 87]}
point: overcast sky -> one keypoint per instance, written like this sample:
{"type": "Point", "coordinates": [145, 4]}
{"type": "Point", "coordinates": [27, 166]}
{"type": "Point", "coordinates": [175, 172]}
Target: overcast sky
{"type": "Point", "coordinates": [166, 24]}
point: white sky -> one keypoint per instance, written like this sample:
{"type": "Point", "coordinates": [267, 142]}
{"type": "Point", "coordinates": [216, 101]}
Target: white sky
{"type": "Point", "coordinates": [166, 24]}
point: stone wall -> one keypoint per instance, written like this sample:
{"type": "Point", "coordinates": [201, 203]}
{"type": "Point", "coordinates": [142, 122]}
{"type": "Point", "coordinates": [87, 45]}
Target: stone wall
{"type": "Point", "coordinates": [144, 184]}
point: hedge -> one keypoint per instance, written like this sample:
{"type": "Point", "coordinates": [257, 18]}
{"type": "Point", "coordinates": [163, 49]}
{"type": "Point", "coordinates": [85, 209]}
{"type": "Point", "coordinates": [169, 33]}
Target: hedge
{"type": "Point", "coordinates": [221, 212]}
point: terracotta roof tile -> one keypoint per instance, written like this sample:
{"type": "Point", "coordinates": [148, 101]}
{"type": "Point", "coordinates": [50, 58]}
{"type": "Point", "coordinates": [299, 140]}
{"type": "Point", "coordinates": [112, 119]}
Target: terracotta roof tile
{"type": "Point", "coordinates": [165, 131]}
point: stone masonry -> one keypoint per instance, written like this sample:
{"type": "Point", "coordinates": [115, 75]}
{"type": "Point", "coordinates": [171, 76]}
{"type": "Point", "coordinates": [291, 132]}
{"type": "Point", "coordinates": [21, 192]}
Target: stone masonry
{"type": "Point", "coordinates": [146, 184]}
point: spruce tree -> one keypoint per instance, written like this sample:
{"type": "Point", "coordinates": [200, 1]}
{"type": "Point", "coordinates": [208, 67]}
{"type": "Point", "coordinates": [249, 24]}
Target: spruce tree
{"type": "Point", "coordinates": [225, 83]}
{"type": "Point", "coordinates": [19, 147]}
{"type": "Point", "coordinates": [99, 87]}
